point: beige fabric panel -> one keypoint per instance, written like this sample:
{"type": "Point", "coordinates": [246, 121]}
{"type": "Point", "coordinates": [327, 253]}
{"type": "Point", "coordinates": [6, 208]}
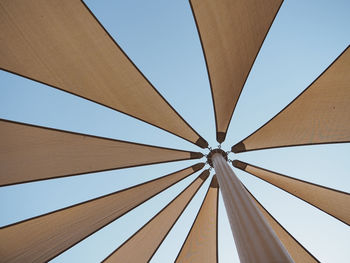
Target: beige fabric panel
{"type": "Point", "coordinates": [144, 243]}
{"type": "Point", "coordinates": [295, 249]}
{"type": "Point", "coordinates": [320, 114]}
{"type": "Point", "coordinates": [44, 237]}
{"type": "Point", "coordinates": [61, 44]}
{"type": "Point", "coordinates": [231, 33]}
{"type": "Point", "coordinates": [201, 242]}
{"type": "Point", "coordinates": [333, 202]}
{"type": "Point", "coordinates": [29, 153]}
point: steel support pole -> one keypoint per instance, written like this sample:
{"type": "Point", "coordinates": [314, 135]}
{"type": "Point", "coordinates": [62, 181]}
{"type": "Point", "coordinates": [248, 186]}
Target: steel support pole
{"type": "Point", "coordinates": [254, 238]}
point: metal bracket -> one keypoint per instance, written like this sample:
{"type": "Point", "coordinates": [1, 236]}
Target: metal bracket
{"type": "Point", "coordinates": [212, 152]}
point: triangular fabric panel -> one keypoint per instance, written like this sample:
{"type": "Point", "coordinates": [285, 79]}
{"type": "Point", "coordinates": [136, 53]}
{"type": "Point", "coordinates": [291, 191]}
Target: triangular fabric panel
{"type": "Point", "coordinates": [141, 246]}
{"type": "Point", "coordinates": [202, 240]}
{"type": "Point", "coordinates": [294, 248]}
{"type": "Point", "coordinates": [60, 43]}
{"type": "Point", "coordinates": [42, 238]}
{"type": "Point", "coordinates": [30, 153]}
{"type": "Point", "coordinates": [231, 33]}
{"type": "Point", "coordinates": [320, 114]}
{"type": "Point", "coordinates": [330, 201]}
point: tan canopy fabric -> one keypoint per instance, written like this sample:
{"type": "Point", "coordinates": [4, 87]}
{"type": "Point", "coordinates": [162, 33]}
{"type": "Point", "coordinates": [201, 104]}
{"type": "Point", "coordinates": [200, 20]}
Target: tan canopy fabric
{"type": "Point", "coordinates": [61, 44]}
{"type": "Point", "coordinates": [143, 244]}
{"type": "Point", "coordinates": [294, 248]}
{"type": "Point", "coordinates": [202, 240]}
{"type": "Point", "coordinates": [330, 201]}
{"type": "Point", "coordinates": [320, 114]}
{"type": "Point", "coordinates": [30, 153]}
{"type": "Point", "coordinates": [42, 238]}
{"type": "Point", "coordinates": [231, 33]}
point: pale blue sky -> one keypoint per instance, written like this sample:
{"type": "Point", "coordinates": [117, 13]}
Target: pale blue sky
{"type": "Point", "coordinates": [161, 38]}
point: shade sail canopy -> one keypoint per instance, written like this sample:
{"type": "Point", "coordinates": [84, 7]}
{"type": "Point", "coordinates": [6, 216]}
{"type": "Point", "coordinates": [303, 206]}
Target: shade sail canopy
{"type": "Point", "coordinates": [231, 33]}
{"type": "Point", "coordinates": [320, 114]}
{"type": "Point", "coordinates": [294, 248]}
{"type": "Point", "coordinates": [41, 238]}
{"type": "Point", "coordinates": [61, 44]}
{"type": "Point", "coordinates": [30, 153]}
{"type": "Point", "coordinates": [331, 201]}
{"type": "Point", "coordinates": [201, 242]}
{"type": "Point", "coordinates": [143, 244]}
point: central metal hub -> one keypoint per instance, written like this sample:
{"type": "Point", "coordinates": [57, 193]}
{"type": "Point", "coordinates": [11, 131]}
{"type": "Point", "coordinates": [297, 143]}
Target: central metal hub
{"type": "Point", "coordinates": [212, 152]}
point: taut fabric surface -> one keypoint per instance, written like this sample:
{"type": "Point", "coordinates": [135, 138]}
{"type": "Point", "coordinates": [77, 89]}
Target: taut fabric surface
{"type": "Point", "coordinates": [143, 244]}
{"type": "Point", "coordinates": [201, 242]}
{"type": "Point", "coordinates": [44, 237]}
{"type": "Point", "coordinates": [320, 114]}
{"type": "Point", "coordinates": [295, 249]}
{"type": "Point", "coordinates": [61, 44]}
{"type": "Point", "coordinates": [231, 33]}
{"type": "Point", "coordinates": [29, 153]}
{"type": "Point", "coordinates": [331, 201]}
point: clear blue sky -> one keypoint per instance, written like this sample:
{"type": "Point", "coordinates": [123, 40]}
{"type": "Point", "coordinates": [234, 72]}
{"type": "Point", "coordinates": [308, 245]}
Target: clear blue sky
{"type": "Point", "coordinates": [161, 38]}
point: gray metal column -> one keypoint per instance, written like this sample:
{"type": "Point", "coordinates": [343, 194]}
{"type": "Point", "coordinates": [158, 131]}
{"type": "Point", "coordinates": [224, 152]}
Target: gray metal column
{"type": "Point", "coordinates": [254, 238]}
